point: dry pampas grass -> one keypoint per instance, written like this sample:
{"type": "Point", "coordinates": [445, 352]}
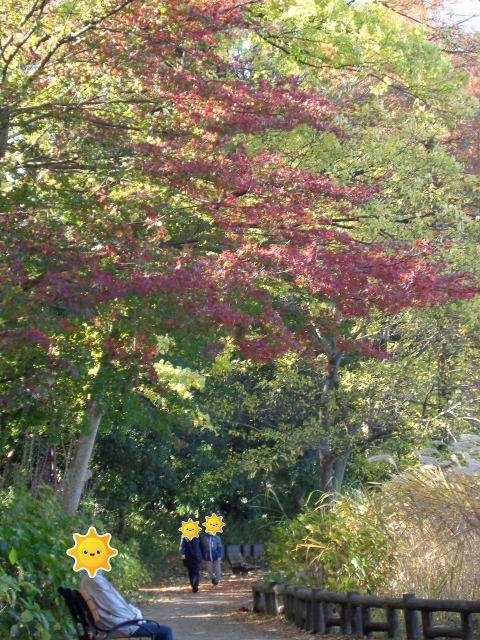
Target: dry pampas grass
{"type": "Point", "coordinates": [435, 517]}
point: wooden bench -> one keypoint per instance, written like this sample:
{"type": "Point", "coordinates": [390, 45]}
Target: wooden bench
{"type": "Point", "coordinates": [86, 619]}
{"type": "Point", "coordinates": [237, 563]}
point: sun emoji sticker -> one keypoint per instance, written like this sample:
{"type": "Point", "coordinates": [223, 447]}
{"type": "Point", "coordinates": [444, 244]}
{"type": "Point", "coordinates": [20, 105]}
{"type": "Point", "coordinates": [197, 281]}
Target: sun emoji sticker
{"type": "Point", "coordinates": [190, 529]}
{"type": "Point", "coordinates": [92, 552]}
{"type": "Point", "coordinates": [214, 524]}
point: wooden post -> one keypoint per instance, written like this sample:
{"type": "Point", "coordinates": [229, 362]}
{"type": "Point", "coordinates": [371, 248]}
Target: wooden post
{"type": "Point", "coordinates": [366, 618]}
{"type": "Point", "coordinates": [304, 613]}
{"type": "Point", "coordinates": [355, 615]}
{"type": "Point", "coordinates": [318, 617]}
{"type": "Point", "coordinates": [270, 604]}
{"type": "Point", "coordinates": [298, 609]}
{"type": "Point", "coordinates": [328, 613]}
{"type": "Point", "coordinates": [345, 626]}
{"type": "Point", "coordinates": [304, 596]}
{"type": "Point", "coordinates": [308, 626]}
{"type": "Point", "coordinates": [412, 624]}
{"type": "Point", "coordinates": [279, 599]}
{"type": "Point", "coordinates": [288, 600]}
{"type": "Point", "coordinates": [427, 622]}
{"type": "Point", "coordinates": [392, 622]}
{"type": "Point", "coordinates": [467, 626]}
{"type": "Point", "coordinates": [258, 600]}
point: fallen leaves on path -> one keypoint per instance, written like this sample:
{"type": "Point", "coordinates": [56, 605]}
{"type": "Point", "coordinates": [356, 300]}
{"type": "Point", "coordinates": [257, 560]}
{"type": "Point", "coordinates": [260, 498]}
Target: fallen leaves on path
{"type": "Point", "coordinates": [240, 590]}
{"type": "Point", "coordinates": [276, 626]}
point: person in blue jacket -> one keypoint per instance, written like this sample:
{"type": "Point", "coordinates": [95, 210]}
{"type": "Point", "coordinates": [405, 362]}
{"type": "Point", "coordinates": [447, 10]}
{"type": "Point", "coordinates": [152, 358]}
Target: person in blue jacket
{"type": "Point", "coordinates": [191, 552]}
{"type": "Point", "coordinates": [212, 554]}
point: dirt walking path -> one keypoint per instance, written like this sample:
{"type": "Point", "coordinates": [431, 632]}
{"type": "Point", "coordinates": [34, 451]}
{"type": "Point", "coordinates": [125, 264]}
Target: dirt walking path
{"type": "Point", "coordinates": [208, 614]}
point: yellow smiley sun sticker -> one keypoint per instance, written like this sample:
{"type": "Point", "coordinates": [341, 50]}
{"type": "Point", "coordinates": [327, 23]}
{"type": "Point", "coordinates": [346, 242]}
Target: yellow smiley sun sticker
{"type": "Point", "coordinates": [214, 523]}
{"type": "Point", "coordinates": [190, 529]}
{"type": "Point", "coordinates": [92, 552]}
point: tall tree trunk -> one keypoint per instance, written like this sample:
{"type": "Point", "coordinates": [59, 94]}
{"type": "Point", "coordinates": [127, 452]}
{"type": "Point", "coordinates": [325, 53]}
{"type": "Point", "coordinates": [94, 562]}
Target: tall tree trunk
{"type": "Point", "coordinates": [121, 523]}
{"type": "Point", "coordinates": [339, 470]}
{"type": "Point", "coordinates": [299, 499]}
{"type": "Point", "coordinates": [53, 467]}
{"type": "Point", "coordinates": [326, 471]}
{"type": "Point", "coordinates": [4, 122]}
{"type": "Point", "coordinates": [75, 476]}
{"type": "Point", "coordinates": [326, 455]}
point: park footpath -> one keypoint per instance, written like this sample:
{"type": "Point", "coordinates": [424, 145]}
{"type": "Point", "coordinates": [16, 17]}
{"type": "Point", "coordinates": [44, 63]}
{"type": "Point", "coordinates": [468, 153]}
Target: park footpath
{"type": "Point", "coordinates": [215, 613]}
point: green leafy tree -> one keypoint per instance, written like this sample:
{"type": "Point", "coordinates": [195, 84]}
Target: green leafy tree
{"type": "Point", "coordinates": [136, 205]}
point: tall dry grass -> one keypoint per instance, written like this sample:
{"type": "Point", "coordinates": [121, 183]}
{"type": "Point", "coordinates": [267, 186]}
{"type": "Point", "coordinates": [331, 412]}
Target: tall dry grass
{"type": "Point", "coordinates": [435, 518]}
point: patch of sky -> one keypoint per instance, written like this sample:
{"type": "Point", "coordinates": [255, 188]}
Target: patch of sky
{"type": "Point", "coordinates": [466, 13]}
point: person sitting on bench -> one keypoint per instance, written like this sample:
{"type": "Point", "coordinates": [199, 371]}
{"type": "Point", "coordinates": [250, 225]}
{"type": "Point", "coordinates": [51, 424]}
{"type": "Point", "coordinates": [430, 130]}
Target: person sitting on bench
{"type": "Point", "coordinates": [113, 609]}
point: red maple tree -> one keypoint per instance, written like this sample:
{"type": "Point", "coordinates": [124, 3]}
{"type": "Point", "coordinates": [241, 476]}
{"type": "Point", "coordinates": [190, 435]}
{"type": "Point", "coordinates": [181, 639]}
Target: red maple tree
{"type": "Point", "coordinates": [132, 185]}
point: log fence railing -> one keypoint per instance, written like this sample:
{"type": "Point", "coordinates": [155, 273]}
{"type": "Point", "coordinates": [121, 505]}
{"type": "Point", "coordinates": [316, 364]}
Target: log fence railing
{"type": "Point", "coordinates": [319, 611]}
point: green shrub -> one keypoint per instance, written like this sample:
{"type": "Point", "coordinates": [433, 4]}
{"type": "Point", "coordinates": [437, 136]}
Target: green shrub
{"type": "Point", "coordinates": [34, 538]}
{"type": "Point", "coordinates": [242, 531]}
{"type": "Point", "coordinates": [341, 546]}
{"type": "Point", "coordinates": [128, 572]}
{"type": "Point", "coordinates": [154, 539]}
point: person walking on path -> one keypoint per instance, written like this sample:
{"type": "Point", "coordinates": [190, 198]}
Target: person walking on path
{"type": "Point", "coordinates": [191, 552]}
{"type": "Point", "coordinates": [212, 553]}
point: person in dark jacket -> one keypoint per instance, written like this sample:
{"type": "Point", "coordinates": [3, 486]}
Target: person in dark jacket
{"type": "Point", "coordinates": [212, 554]}
{"type": "Point", "coordinates": [191, 553]}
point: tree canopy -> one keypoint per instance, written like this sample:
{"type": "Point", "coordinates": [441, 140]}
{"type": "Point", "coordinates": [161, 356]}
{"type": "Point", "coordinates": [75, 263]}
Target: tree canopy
{"type": "Point", "coordinates": [273, 182]}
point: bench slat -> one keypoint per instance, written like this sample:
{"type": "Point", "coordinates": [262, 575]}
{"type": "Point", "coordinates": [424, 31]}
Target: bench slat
{"type": "Point", "coordinates": [237, 563]}
{"type": "Point", "coordinates": [90, 605]}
